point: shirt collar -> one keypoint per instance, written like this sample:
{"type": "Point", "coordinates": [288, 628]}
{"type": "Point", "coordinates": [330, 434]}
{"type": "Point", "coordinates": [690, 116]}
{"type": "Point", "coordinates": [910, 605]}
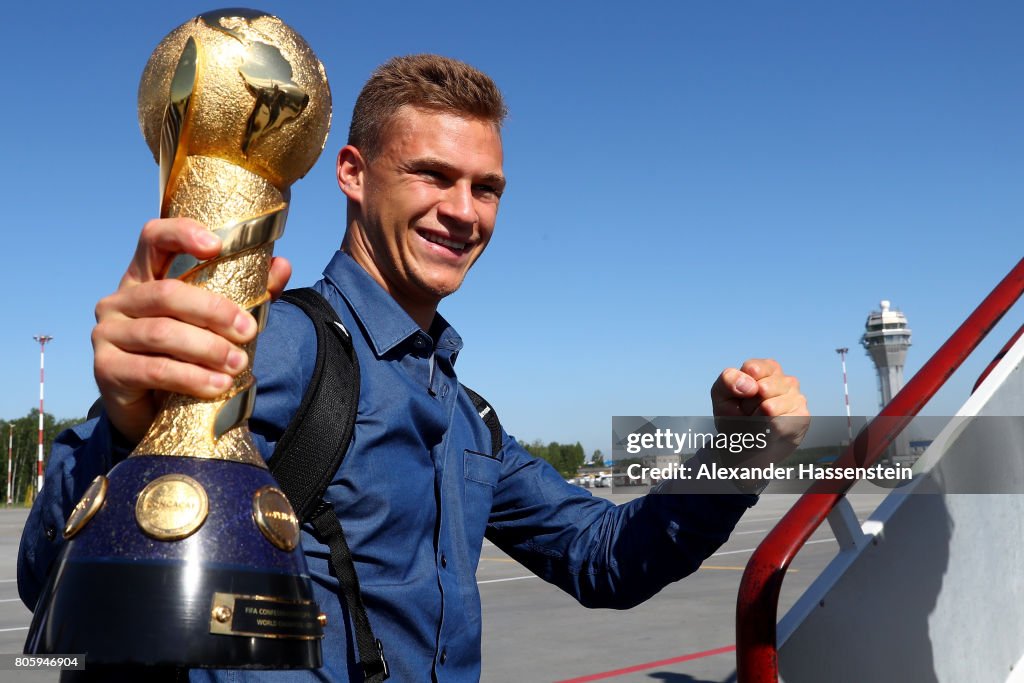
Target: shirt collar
{"type": "Point", "coordinates": [386, 323]}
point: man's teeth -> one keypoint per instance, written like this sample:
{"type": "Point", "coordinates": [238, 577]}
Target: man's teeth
{"type": "Point", "coordinates": [459, 246]}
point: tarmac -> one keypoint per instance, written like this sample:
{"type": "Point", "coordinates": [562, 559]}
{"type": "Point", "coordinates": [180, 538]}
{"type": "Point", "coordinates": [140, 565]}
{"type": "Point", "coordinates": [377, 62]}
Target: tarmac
{"type": "Point", "coordinates": [532, 631]}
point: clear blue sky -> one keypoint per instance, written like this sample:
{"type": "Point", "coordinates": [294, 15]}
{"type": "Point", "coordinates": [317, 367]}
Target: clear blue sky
{"type": "Point", "coordinates": [691, 184]}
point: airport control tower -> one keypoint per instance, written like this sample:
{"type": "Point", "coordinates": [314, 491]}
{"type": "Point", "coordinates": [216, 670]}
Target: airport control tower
{"type": "Point", "coordinates": [886, 339]}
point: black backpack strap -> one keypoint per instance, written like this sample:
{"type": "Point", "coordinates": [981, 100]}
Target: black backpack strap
{"type": "Point", "coordinates": [490, 418]}
{"type": "Point", "coordinates": [304, 467]}
{"type": "Point", "coordinates": [326, 414]}
{"type": "Point", "coordinates": [371, 650]}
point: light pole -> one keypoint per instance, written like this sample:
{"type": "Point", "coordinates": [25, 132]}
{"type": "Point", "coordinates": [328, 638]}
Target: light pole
{"type": "Point", "coordinates": [14, 479]}
{"type": "Point", "coordinates": [42, 339]}
{"type": "Point", "coordinates": [846, 392]}
{"type": "Point", "coordinates": [10, 462]}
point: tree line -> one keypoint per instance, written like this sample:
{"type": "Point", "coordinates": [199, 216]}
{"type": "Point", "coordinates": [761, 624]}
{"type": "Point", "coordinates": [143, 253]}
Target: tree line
{"type": "Point", "coordinates": [24, 447]}
{"type": "Point", "coordinates": [566, 458]}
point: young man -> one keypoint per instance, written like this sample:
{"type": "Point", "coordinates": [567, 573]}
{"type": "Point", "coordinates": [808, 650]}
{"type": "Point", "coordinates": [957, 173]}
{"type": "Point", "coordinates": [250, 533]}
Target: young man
{"type": "Point", "coordinates": [419, 487]}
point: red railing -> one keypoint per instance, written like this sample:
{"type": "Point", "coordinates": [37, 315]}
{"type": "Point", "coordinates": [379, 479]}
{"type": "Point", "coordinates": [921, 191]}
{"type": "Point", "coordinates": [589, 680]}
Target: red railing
{"type": "Point", "coordinates": [998, 357]}
{"type": "Point", "coordinates": [758, 601]}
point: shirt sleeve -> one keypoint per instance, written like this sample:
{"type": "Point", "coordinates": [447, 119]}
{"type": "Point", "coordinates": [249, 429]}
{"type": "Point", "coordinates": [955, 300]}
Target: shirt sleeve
{"type": "Point", "coordinates": [283, 365]}
{"type": "Point", "coordinates": [604, 555]}
{"type": "Point", "coordinates": [78, 456]}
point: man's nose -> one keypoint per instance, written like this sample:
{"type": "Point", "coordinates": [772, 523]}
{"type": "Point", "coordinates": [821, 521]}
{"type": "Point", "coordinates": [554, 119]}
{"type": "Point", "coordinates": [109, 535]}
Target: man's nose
{"type": "Point", "coordinates": [459, 205]}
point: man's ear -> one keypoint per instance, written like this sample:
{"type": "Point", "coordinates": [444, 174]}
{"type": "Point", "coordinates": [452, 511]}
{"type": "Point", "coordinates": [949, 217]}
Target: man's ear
{"type": "Point", "coordinates": [350, 168]}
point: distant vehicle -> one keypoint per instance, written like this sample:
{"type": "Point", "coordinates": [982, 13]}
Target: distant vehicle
{"type": "Point", "coordinates": [620, 479]}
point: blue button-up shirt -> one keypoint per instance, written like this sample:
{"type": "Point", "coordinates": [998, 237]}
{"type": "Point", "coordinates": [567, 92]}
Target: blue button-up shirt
{"type": "Point", "coordinates": [418, 491]}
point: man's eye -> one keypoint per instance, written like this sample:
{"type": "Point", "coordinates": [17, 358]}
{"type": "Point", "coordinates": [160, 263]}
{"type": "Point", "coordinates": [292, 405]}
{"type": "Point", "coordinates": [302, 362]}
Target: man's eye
{"type": "Point", "coordinates": [428, 173]}
{"type": "Point", "coordinates": [487, 191]}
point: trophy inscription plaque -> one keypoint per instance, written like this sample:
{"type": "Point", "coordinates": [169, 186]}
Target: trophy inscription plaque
{"type": "Point", "coordinates": [168, 558]}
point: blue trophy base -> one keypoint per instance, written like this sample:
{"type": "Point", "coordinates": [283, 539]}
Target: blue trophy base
{"type": "Point", "coordinates": [120, 596]}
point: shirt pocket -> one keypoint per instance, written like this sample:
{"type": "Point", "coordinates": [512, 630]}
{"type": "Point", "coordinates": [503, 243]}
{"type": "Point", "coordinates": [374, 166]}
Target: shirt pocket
{"type": "Point", "coordinates": [481, 468]}
{"type": "Point", "coordinates": [481, 476]}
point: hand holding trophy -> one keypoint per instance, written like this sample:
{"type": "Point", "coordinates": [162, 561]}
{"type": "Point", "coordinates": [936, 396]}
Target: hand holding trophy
{"type": "Point", "coordinates": [187, 553]}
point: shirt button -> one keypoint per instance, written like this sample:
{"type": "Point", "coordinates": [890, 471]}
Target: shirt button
{"type": "Point", "coordinates": [51, 533]}
{"type": "Point", "coordinates": [444, 561]}
{"type": "Point", "coordinates": [419, 343]}
{"type": "Point", "coordinates": [444, 656]}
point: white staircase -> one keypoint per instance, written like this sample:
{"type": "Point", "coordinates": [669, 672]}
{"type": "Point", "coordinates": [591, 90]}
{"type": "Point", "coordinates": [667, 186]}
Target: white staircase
{"type": "Point", "coordinates": [931, 587]}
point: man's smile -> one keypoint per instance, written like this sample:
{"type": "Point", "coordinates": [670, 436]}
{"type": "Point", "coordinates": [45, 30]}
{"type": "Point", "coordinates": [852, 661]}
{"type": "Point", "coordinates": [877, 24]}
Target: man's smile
{"type": "Point", "coordinates": [454, 245]}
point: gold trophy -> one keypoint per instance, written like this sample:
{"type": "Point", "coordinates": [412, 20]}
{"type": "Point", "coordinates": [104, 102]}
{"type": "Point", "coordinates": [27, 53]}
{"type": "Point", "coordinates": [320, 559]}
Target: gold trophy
{"type": "Point", "coordinates": [187, 553]}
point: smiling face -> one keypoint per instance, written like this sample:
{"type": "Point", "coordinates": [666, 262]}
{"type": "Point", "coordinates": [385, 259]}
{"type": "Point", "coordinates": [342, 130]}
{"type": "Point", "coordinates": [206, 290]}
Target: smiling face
{"type": "Point", "coordinates": [422, 210]}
